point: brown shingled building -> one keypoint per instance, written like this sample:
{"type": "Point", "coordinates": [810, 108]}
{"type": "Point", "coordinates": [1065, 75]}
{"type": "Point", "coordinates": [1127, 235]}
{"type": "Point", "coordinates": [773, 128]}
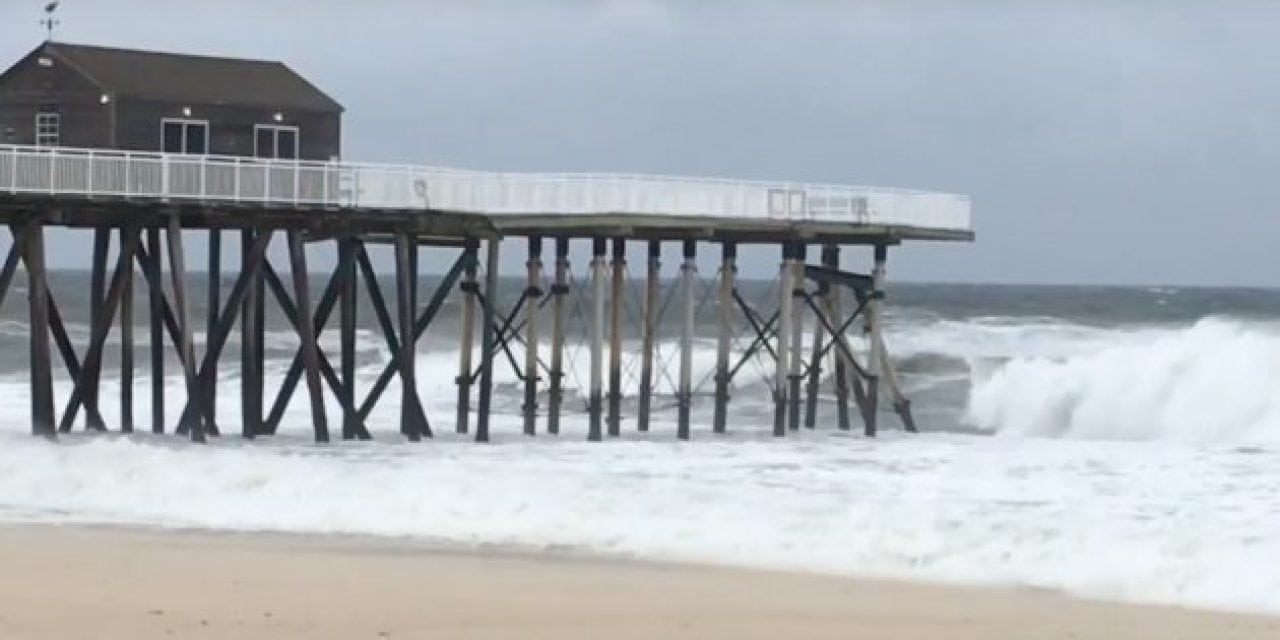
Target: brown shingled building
{"type": "Point", "coordinates": [94, 97]}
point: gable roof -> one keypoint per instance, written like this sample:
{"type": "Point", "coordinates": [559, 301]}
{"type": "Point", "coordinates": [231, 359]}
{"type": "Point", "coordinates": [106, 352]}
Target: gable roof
{"type": "Point", "coordinates": [196, 79]}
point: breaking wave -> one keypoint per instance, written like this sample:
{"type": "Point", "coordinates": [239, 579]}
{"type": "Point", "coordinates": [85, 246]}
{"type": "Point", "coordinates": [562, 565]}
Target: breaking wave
{"type": "Point", "coordinates": [1213, 382]}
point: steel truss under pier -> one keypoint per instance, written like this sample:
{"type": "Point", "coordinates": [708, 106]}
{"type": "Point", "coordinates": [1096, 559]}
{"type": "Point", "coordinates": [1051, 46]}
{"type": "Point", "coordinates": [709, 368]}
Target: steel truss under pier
{"type": "Point", "coordinates": [144, 238]}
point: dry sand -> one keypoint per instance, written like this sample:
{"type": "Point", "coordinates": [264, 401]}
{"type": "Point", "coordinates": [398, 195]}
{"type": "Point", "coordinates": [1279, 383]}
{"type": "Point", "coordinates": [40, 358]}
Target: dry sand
{"type": "Point", "coordinates": [73, 582]}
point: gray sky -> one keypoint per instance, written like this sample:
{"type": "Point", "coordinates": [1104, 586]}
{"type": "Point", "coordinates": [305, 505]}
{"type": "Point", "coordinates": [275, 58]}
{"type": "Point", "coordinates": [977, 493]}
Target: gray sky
{"type": "Point", "coordinates": [1102, 142]}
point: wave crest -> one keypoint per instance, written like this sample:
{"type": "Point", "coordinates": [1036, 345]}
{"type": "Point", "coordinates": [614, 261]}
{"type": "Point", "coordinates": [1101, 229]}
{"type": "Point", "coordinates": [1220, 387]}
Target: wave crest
{"type": "Point", "coordinates": [1217, 381]}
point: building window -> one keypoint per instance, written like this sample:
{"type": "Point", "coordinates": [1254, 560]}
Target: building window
{"type": "Point", "coordinates": [178, 135]}
{"type": "Point", "coordinates": [275, 141]}
{"type": "Point", "coordinates": [48, 129]}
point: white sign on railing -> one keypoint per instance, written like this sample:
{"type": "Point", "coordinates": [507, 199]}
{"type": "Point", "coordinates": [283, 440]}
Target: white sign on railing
{"type": "Point", "coordinates": [107, 173]}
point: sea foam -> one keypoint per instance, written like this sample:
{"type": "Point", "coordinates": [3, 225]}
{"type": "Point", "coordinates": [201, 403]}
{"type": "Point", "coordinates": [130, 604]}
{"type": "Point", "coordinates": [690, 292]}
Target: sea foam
{"type": "Point", "coordinates": [1143, 490]}
{"type": "Point", "coordinates": [1125, 521]}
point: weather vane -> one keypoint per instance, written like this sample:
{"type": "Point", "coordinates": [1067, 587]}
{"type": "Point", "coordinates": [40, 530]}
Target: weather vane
{"type": "Point", "coordinates": [49, 22]}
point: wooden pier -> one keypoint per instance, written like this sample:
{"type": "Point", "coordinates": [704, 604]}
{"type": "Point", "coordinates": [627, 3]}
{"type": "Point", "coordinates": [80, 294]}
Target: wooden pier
{"type": "Point", "coordinates": [145, 206]}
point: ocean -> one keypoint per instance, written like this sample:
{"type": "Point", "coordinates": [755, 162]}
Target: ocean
{"type": "Point", "coordinates": [1112, 442]}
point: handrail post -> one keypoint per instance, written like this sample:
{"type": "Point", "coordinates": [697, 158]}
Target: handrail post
{"type": "Point", "coordinates": [53, 170]}
{"type": "Point", "coordinates": [324, 186]}
{"type": "Point", "coordinates": [235, 181]}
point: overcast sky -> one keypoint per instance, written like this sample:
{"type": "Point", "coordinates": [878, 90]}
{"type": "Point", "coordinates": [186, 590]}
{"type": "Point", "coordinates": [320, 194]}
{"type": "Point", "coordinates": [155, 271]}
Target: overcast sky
{"type": "Point", "coordinates": [1102, 142]}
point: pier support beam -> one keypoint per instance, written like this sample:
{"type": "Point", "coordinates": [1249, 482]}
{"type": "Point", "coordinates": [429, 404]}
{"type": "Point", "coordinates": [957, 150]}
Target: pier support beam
{"type": "Point", "coordinates": [212, 307]}
{"type": "Point", "coordinates": [251, 379]}
{"type": "Point", "coordinates": [155, 305]}
{"type": "Point", "coordinates": [532, 292]}
{"type": "Point", "coordinates": [126, 339]}
{"type": "Point", "coordinates": [42, 418]}
{"type": "Point", "coordinates": [689, 275]}
{"type": "Point", "coordinates": [598, 293]}
{"type": "Point", "coordinates": [559, 290]}
{"type": "Point", "coordinates": [487, 339]}
{"type": "Point", "coordinates": [724, 337]}
{"type": "Point", "coordinates": [347, 314]}
{"type": "Point", "coordinates": [652, 289]}
{"type": "Point", "coordinates": [178, 273]}
{"type": "Point", "coordinates": [413, 422]}
{"type": "Point", "coordinates": [306, 333]}
{"type": "Point", "coordinates": [834, 310]}
{"type": "Point", "coordinates": [874, 355]}
{"type": "Point", "coordinates": [222, 327]}
{"type": "Point", "coordinates": [619, 271]}
{"type": "Point", "coordinates": [97, 290]}
{"type": "Point", "coordinates": [469, 288]}
{"type": "Point", "coordinates": [786, 318]}
{"type": "Point", "coordinates": [796, 377]}
{"type": "Point", "coordinates": [815, 370]}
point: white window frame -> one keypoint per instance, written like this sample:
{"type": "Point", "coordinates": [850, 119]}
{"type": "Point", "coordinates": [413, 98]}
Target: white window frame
{"type": "Point", "coordinates": [275, 139]}
{"type": "Point", "coordinates": [48, 129]}
{"type": "Point", "coordinates": [185, 122]}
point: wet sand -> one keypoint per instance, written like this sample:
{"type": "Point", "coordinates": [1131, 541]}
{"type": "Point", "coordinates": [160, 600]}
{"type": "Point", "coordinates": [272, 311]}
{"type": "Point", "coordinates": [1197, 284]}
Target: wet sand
{"type": "Point", "coordinates": [83, 582]}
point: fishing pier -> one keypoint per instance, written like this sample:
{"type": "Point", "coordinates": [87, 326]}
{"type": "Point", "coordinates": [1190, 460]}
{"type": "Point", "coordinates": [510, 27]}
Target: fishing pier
{"type": "Point", "coordinates": [146, 201]}
{"type": "Point", "coordinates": [150, 151]}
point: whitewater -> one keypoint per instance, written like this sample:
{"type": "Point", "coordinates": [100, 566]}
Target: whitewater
{"type": "Point", "coordinates": [1127, 461]}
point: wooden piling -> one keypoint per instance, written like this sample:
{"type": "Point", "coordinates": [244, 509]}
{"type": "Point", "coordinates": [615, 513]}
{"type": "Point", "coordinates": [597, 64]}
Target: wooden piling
{"type": "Point", "coordinates": [559, 291]}
{"type": "Point", "coordinates": [617, 292]}
{"type": "Point", "coordinates": [126, 339]}
{"type": "Point", "coordinates": [213, 305]}
{"type": "Point", "coordinates": [724, 333]}
{"type": "Point", "coordinates": [225, 322]}
{"type": "Point", "coordinates": [833, 307]}
{"type": "Point", "coordinates": [815, 370]}
{"type": "Point", "coordinates": [155, 304]}
{"type": "Point", "coordinates": [250, 372]}
{"type": "Point", "coordinates": [796, 377]}
{"type": "Point", "coordinates": [178, 272]}
{"type": "Point", "coordinates": [466, 346]}
{"type": "Point", "coordinates": [97, 289]}
{"type": "Point", "coordinates": [258, 289]}
{"type": "Point", "coordinates": [533, 292]}
{"type": "Point", "coordinates": [484, 403]}
{"type": "Point", "coordinates": [412, 418]}
{"type": "Point", "coordinates": [874, 355]}
{"type": "Point", "coordinates": [786, 300]}
{"type": "Point", "coordinates": [684, 397]}
{"type": "Point", "coordinates": [598, 266]}
{"type": "Point", "coordinates": [652, 290]}
{"type": "Point", "coordinates": [347, 303]}
{"type": "Point", "coordinates": [307, 332]}
{"type": "Point", "coordinates": [42, 417]}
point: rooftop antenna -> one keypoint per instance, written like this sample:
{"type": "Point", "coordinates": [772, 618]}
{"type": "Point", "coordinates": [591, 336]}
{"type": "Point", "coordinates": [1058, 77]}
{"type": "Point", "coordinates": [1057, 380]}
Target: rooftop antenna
{"type": "Point", "coordinates": [49, 22]}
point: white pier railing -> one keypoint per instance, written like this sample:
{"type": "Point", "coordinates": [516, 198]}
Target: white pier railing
{"type": "Point", "coordinates": [223, 179]}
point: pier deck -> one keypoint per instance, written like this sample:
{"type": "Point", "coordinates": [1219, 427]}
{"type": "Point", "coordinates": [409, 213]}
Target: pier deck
{"type": "Point", "coordinates": [137, 197]}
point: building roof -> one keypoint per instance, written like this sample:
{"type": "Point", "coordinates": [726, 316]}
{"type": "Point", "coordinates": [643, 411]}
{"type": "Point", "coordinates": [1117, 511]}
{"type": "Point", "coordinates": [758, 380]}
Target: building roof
{"type": "Point", "coordinates": [196, 79]}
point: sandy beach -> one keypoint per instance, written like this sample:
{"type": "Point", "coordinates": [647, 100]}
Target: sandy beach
{"type": "Point", "coordinates": [80, 582]}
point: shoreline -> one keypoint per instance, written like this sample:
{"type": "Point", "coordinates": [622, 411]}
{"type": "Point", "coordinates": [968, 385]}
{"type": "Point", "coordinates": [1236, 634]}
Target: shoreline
{"type": "Point", "coordinates": [110, 581]}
